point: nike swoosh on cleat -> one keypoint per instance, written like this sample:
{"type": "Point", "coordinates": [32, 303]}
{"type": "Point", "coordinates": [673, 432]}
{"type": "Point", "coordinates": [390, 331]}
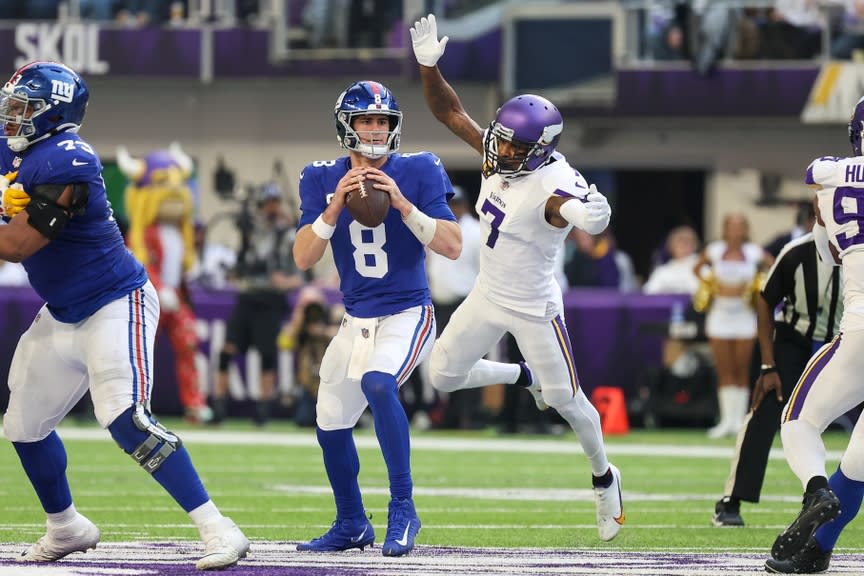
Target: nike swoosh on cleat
{"type": "Point", "coordinates": [620, 519]}
{"type": "Point", "coordinates": [404, 540]}
{"type": "Point", "coordinates": [363, 533]}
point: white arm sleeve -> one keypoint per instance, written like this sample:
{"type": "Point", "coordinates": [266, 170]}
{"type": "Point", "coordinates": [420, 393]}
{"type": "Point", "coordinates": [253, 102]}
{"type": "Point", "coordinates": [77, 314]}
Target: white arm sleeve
{"type": "Point", "coordinates": [820, 236]}
{"type": "Point", "coordinates": [576, 213]}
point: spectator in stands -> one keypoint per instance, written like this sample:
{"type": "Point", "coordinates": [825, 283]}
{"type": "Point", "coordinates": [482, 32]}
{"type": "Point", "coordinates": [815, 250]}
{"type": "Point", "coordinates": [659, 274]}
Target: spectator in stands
{"type": "Point", "coordinates": [144, 12]}
{"type": "Point", "coordinates": [666, 32]}
{"type": "Point", "coordinates": [598, 263]}
{"type": "Point", "coordinates": [851, 35]}
{"type": "Point", "coordinates": [676, 276]}
{"type": "Point", "coordinates": [793, 30]}
{"type": "Point", "coordinates": [97, 9]}
{"type": "Point", "coordinates": [729, 269]}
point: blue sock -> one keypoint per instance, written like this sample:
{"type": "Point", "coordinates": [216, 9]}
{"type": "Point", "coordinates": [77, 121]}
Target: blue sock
{"type": "Point", "coordinates": [45, 464]}
{"type": "Point", "coordinates": [176, 474]}
{"type": "Point", "coordinates": [850, 492]}
{"type": "Point", "coordinates": [343, 467]}
{"type": "Point", "coordinates": [391, 427]}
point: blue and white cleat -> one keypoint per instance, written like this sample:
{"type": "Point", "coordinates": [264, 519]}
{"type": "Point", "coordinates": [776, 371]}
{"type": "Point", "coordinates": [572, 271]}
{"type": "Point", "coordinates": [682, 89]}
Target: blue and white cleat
{"type": "Point", "coordinates": [403, 525]}
{"type": "Point", "coordinates": [344, 534]}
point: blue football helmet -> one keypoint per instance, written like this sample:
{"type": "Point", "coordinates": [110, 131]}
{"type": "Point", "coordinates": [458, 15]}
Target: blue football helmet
{"type": "Point", "coordinates": [362, 98]}
{"type": "Point", "coordinates": [40, 100]}
{"type": "Point", "coordinates": [533, 125]}
{"type": "Point", "coordinates": [856, 127]}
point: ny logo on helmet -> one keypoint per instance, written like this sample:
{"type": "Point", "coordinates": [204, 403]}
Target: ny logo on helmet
{"type": "Point", "coordinates": [62, 91]}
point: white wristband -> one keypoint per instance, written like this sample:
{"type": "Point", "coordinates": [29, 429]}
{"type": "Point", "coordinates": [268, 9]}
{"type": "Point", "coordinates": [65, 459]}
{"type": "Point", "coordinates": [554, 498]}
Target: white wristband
{"type": "Point", "coordinates": [322, 229]}
{"type": "Point", "coordinates": [421, 225]}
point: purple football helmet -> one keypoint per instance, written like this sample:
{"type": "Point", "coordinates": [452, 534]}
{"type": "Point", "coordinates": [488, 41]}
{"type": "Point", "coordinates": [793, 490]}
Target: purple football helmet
{"type": "Point", "coordinates": [533, 125]}
{"type": "Point", "coordinates": [856, 127]}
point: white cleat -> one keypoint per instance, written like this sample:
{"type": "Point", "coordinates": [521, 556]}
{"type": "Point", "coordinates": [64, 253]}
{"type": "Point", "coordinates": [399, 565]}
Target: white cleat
{"type": "Point", "coordinates": [529, 382]}
{"type": "Point", "coordinates": [224, 545]}
{"type": "Point", "coordinates": [79, 535]}
{"type": "Point", "coordinates": [610, 507]}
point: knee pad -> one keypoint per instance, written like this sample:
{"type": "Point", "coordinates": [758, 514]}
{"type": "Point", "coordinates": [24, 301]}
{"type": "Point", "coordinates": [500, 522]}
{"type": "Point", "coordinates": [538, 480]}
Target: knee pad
{"type": "Point", "coordinates": [224, 360]}
{"type": "Point", "coordinates": [378, 385]}
{"type": "Point", "coordinates": [558, 397]}
{"type": "Point", "coordinates": [437, 377]}
{"type": "Point", "coordinates": [139, 435]}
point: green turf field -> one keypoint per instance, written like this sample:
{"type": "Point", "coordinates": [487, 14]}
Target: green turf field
{"type": "Point", "coordinates": [475, 489]}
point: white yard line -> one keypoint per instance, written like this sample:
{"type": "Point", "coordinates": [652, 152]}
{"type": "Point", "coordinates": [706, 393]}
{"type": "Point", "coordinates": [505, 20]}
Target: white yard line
{"type": "Point", "coordinates": [441, 443]}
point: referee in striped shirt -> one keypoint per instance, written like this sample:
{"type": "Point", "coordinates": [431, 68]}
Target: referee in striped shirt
{"type": "Point", "coordinates": [805, 293]}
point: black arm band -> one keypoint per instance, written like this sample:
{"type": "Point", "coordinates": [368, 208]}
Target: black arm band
{"type": "Point", "coordinates": [48, 218]}
{"type": "Point", "coordinates": [52, 193]}
{"type": "Point", "coordinates": [765, 371]}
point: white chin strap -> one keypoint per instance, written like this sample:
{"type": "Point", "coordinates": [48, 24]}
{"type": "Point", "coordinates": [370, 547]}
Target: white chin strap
{"type": "Point", "coordinates": [373, 152]}
{"type": "Point", "coordinates": [17, 143]}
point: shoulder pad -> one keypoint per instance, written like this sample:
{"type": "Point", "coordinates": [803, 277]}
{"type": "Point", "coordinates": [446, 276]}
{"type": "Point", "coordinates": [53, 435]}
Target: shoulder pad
{"type": "Point", "coordinates": [566, 182]}
{"type": "Point", "coordinates": [828, 171]}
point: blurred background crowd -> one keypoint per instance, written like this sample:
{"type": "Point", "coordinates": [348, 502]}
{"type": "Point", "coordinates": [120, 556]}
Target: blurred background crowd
{"type": "Point", "coordinates": [681, 181]}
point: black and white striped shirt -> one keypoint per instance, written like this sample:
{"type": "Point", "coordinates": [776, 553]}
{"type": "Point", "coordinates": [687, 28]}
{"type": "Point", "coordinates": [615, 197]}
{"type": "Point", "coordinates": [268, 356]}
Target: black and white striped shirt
{"type": "Point", "coordinates": [808, 289]}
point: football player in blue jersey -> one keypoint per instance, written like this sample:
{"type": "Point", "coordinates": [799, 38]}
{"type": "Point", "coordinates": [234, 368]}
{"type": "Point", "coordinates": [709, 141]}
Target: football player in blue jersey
{"type": "Point", "coordinates": [389, 327]}
{"type": "Point", "coordinates": [97, 328]}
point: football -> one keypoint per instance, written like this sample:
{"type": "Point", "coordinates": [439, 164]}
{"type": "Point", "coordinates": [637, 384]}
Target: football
{"type": "Point", "coordinates": [368, 205]}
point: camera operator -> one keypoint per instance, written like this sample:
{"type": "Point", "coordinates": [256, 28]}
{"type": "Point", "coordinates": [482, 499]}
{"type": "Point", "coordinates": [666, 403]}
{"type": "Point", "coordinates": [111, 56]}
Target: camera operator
{"type": "Point", "coordinates": [308, 333]}
{"type": "Point", "coordinates": [265, 273]}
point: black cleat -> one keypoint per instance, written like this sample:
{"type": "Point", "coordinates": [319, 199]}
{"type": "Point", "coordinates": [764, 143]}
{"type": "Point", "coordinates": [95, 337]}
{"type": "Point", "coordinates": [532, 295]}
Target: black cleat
{"type": "Point", "coordinates": [727, 513]}
{"type": "Point", "coordinates": [809, 560]}
{"type": "Point", "coordinates": [819, 507]}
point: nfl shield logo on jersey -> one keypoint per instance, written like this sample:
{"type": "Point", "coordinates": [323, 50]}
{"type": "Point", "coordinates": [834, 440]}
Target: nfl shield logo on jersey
{"type": "Point", "coordinates": [364, 332]}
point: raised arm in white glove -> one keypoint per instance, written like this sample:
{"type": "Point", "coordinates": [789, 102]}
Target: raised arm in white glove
{"type": "Point", "coordinates": [592, 215]}
{"type": "Point", "coordinates": [424, 37]}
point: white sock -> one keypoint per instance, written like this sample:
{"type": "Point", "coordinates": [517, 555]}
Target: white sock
{"type": "Point", "coordinates": [58, 519]}
{"type": "Point", "coordinates": [804, 449]}
{"type": "Point", "coordinates": [726, 397]}
{"type": "Point", "coordinates": [206, 513]}
{"type": "Point", "coordinates": [486, 372]}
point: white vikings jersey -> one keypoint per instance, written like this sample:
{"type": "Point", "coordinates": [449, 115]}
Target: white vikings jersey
{"type": "Point", "coordinates": [517, 258]}
{"type": "Point", "coordinates": [841, 205]}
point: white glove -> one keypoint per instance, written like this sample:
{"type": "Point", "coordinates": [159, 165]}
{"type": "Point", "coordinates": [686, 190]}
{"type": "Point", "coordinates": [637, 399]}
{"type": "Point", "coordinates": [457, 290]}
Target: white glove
{"type": "Point", "coordinates": [597, 207]}
{"type": "Point", "coordinates": [168, 299]}
{"type": "Point", "coordinates": [424, 37]}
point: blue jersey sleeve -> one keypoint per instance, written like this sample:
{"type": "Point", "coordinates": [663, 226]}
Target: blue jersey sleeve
{"type": "Point", "coordinates": [435, 187]}
{"type": "Point", "coordinates": [313, 197]}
